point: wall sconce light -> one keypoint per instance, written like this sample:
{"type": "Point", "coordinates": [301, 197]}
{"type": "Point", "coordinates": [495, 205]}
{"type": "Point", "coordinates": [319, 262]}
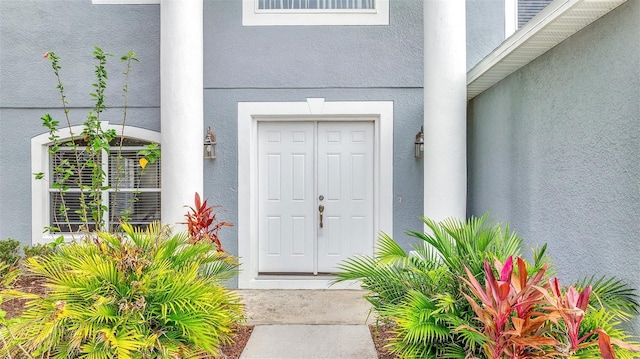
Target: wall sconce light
{"type": "Point", "coordinates": [210, 143]}
{"type": "Point", "coordinates": [419, 144]}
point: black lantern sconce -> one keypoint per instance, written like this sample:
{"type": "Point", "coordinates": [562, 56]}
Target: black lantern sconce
{"type": "Point", "coordinates": [419, 144]}
{"type": "Point", "coordinates": [210, 143]}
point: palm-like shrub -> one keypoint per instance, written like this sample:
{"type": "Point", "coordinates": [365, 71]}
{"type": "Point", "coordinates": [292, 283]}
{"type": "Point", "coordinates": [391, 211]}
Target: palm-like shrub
{"type": "Point", "coordinates": [420, 292]}
{"type": "Point", "coordinates": [145, 294]}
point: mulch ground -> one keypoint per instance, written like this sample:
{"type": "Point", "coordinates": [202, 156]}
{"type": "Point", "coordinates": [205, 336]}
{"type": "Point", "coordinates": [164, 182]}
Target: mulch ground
{"type": "Point", "coordinates": [233, 351]}
{"type": "Point", "coordinates": [380, 334]}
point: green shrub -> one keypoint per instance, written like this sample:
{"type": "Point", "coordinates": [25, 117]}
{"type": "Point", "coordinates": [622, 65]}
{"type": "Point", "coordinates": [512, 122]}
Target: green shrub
{"type": "Point", "coordinates": [142, 295]}
{"type": "Point", "coordinates": [9, 252]}
{"type": "Point", "coordinates": [39, 250]}
{"type": "Point", "coordinates": [422, 293]}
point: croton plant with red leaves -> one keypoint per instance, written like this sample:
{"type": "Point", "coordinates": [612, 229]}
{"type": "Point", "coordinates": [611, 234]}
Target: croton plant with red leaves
{"type": "Point", "coordinates": [203, 224]}
{"type": "Point", "coordinates": [571, 306]}
{"type": "Point", "coordinates": [511, 324]}
{"type": "Point", "coordinates": [518, 314]}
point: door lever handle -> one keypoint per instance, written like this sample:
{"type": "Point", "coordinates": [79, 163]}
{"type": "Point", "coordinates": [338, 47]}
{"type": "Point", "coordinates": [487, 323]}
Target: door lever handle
{"type": "Point", "coordinates": [321, 209]}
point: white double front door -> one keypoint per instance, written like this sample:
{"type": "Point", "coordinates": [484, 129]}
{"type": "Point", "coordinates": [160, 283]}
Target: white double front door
{"type": "Point", "coordinates": [316, 186]}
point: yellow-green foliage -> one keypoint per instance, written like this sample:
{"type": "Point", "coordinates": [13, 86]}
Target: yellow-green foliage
{"type": "Point", "coordinates": [142, 295]}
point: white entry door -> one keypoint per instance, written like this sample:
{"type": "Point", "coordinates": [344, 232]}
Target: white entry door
{"type": "Point", "coordinates": [315, 194]}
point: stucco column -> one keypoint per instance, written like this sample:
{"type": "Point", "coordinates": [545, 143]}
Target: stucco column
{"type": "Point", "coordinates": [181, 81]}
{"type": "Point", "coordinates": [445, 104]}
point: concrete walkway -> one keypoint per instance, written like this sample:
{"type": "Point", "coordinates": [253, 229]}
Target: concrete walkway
{"type": "Point", "coordinates": [308, 324]}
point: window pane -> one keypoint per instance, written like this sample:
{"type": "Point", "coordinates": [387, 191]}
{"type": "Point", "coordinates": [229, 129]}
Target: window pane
{"type": "Point", "coordinates": [72, 205]}
{"type": "Point", "coordinates": [140, 209]}
{"type": "Point", "coordinates": [76, 164]}
{"type": "Point", "coordinates": [125, 171]}
{"type": "Point", "coordinates": [315, 4]}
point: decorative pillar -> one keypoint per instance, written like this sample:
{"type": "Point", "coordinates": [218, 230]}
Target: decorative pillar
{"type": "Point", "coordinates": [181, 85]}
{"type": "Point", "coordinates": [445, 107]}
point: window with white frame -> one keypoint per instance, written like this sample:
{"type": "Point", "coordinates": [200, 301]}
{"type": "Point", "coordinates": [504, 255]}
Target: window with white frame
{"type": "Point", "coordinates": [315, 4]}
{"type": "Point", "coordinates": [131, 189]}
{"type": "Point", "coordinates": [315, 12]}
{"type": "Point", "coordinates": [130, 192]}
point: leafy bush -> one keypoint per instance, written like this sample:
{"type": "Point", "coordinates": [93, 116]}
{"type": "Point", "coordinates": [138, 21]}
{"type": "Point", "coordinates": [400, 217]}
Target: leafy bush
{"type": "Point", "coordinates": [145, 294]}
{"type": "Point", "coordinates": [521, 316]}
{"type": "Point", "coordinates": [203, 224]}
{"type": "Point", "coordinates": [9, 254]}
{"type": "Point", "coordinates": [39, 250]}
{"type": "Point", "coordinates": [422, 294]}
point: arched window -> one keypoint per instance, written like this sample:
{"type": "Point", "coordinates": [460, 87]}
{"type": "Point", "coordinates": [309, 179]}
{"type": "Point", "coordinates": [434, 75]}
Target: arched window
{"type": "Point", "coordinates": [129, 190]}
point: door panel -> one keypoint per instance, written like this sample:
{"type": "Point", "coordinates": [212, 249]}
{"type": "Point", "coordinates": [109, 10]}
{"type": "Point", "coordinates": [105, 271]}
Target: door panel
{"type": "Point", "coordinates": [303, 165]}
{"type": "Point", "coordinates": [345, 179]}
{"type": "Point", "coordinates": [286, 186]}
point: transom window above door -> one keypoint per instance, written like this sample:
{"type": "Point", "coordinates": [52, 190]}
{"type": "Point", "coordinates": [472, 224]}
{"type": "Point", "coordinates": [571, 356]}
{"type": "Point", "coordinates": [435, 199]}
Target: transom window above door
{"type": "Point", "coordinates": [316, 4]}
{"type": "Point", "coordinates": [315, 12]}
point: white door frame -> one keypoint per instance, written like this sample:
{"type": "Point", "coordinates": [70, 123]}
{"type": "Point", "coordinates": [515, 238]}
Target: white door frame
{"type": "Point", "coordinates": [249, 114]}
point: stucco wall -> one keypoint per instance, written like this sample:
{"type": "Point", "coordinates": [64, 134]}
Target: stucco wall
{"type": "Point", "coordinates": [554, 149]}
{"type": "Point", "coordinates": [239, 56]}
{"type": "Point", "coordinates": [485, 28]}
{"type": "Point", "coordinates": [27, 85]}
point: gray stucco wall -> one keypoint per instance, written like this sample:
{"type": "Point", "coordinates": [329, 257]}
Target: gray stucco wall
{"type": "Point", "coordinates": [27, 85]}
{"type": "Point", "coordinates": [239, 56]}
{"type": "Point", "coordinates": [554, 149]}
{"type": "Point", "coordinates": [485, 28]}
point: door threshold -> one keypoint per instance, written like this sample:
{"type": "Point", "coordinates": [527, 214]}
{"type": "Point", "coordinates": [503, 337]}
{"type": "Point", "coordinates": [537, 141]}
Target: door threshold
{"type": "Point", "coordinates": [297, 274]}
{"type": "Point", "coordinates": [296, 281]}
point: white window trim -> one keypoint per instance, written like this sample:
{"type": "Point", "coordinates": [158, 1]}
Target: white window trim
{"type": "Point", "coordinates": [249, 114]}
{"type": "Point", "coordinates": [40, 210]}
{"type": "Point", "coordinates": [252, 16]}
{"type": "Point", "coordinates": [510, 17]}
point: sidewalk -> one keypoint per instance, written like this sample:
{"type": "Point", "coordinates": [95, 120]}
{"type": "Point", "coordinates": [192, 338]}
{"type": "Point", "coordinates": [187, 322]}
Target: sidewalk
{"type": "Point", "coordinates": [307, 324]}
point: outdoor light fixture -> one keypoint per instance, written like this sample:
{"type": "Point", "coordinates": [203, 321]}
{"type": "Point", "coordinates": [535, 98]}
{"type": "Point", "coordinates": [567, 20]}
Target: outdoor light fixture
{"type": "Point", "coordinates": [419, 144]}
{"type": "Point", "coordinates": [210, 143]}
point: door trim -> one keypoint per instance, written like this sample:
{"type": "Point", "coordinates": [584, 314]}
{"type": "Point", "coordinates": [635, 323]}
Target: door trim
{"type": "Point", "coordinates": [315, 109]}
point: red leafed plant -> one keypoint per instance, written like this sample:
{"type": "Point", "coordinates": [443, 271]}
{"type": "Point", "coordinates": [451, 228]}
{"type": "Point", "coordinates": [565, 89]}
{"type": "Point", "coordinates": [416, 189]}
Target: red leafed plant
{"type": "Point", "coordinates": [521, 316]}
{"type": "Point", "coordinates": [571, 307]}
{"type": "Point", "coordinates": [512, 325]}
{"type": "Point", "coordinates": [203, 224]}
